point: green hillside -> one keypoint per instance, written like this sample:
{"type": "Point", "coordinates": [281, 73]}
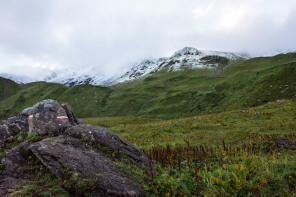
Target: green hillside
{"type": "Point", "coordinates": [8, 88]}
{"type": "Point", "coordinates": [168, 95]}
{"type": "Point", "coordinates": [190, 92]}
{"type": "Point", "coordinates": [86, 100]}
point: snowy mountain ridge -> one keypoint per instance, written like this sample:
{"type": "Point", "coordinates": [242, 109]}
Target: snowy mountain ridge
{"type": "Point", "coordinates": [185, 58]}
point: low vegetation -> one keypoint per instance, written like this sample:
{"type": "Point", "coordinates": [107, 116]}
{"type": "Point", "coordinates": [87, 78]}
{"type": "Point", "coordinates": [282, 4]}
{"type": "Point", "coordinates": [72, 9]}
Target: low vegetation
{"type": "Point", "coordinates": [225, 154]}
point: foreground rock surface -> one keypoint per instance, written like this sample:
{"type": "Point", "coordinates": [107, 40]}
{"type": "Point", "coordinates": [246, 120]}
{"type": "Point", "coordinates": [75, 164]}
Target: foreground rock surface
{"type": "Point", "coordinates": [104, 138]}
{"type": "Point", "coordinates": [62, 153]}
{"type": "Point", "coordinates": [75, 149]}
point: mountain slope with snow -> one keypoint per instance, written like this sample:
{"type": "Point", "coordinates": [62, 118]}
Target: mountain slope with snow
{"type": "Point", "coordinates": [70, 78]}
{"type": "Point", "coordinates": [186, 58]}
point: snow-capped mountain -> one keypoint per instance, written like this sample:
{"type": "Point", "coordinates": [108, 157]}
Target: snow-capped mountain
{"type": "Point", "coordinates": [185, 58]}
{"type": "Point", "coordinates": [141, 69]}
{"type": "Point", "coordinates": [70, 78]}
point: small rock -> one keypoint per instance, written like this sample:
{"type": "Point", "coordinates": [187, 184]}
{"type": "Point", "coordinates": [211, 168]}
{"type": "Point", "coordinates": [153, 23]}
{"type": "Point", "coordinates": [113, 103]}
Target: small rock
{"type": "Point", "coordinates": [278, 144]}
{"type": "Point", "coordinates": [27, 112]}
{"type": "Point", "coordinates": [20, 138]}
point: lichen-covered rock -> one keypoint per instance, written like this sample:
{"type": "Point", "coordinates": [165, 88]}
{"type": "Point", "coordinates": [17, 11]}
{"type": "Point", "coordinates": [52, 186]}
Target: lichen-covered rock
{"type": "Point", "coordinates": [13, 126]}
{"type": "Point", "coordinates": [48, 118]}
{"type": "Point", "coordinates": [63, 154]}
{"type": "Point", "coordinates": [105, 138]}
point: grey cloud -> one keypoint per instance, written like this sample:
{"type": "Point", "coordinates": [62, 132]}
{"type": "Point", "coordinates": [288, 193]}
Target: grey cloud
{"type": "Point", "coordinates": [109, 35]}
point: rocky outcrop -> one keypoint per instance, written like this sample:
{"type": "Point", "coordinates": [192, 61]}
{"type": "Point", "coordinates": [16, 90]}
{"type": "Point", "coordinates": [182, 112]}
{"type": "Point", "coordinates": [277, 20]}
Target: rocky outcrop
{"type": "Point", "coordinates": [70, 147]}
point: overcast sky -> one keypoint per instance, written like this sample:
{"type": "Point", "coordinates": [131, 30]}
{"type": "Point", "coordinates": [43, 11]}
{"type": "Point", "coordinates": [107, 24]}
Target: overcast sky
{"type": "Point", "coordinates": [37, 36]}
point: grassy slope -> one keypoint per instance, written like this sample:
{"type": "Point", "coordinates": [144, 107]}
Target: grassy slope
{"type": "Point", "coordinates": [86, 100]}
{"type": "Point", "coordinates": [215, 155]}
{"type": "Point", "coordinates": [176, 94]}
{"type": "Point", "coordinates": [232, 126]}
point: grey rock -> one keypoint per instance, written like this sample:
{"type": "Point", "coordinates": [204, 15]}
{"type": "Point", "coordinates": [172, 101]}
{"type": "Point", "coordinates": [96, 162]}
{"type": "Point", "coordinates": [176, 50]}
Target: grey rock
{"type": "Point", "coordinates": [16, 123]}
{"type": "Point", "coordinates": [279, 144]}
{"type": "Point", "coordinates": [105, 138]}
{"type": "Point", "coordinates": [13, 175]}
{"type": "Point", "coordinates": [27, 112]}
{"type": "Point", "coordinates": [12, 126]}
{"type": "Point", "coordinates": [15, 159]}
{"type": "Point", "coordinates": [20, 138]}
{"type": "Point", "coordinates": [47, 118]}
{"type": "Point", "coordinates": [8, 185]}
{"type": "Point", "coordinates": [283, 143]}
{"type": "Point", "coordinates": [62, 152]}
{"type": "Point", "coordinates": [72, 118]}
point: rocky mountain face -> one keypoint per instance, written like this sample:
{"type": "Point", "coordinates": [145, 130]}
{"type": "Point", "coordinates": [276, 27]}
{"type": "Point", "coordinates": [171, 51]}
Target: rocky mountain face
{"type": "Point", "coordinates": [186, 58]}
{"type": "Point", "coordinates": [69, 149]}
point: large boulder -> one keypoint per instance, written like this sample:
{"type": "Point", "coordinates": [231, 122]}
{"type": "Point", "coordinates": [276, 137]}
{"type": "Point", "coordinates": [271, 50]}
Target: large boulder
{"type": "Point", "coordinates": [63, 154]}
{"type": "Point", "coordinates": [48, 118]}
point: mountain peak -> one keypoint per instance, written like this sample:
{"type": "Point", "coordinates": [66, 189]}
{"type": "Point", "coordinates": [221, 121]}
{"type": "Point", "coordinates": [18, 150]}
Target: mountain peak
{"type": "Point", "coordinates": [186, 51]}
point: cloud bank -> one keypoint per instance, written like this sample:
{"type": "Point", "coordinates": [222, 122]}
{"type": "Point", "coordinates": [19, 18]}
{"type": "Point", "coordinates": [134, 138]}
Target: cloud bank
{"type": "Point", "coordinates": [37, 37]}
